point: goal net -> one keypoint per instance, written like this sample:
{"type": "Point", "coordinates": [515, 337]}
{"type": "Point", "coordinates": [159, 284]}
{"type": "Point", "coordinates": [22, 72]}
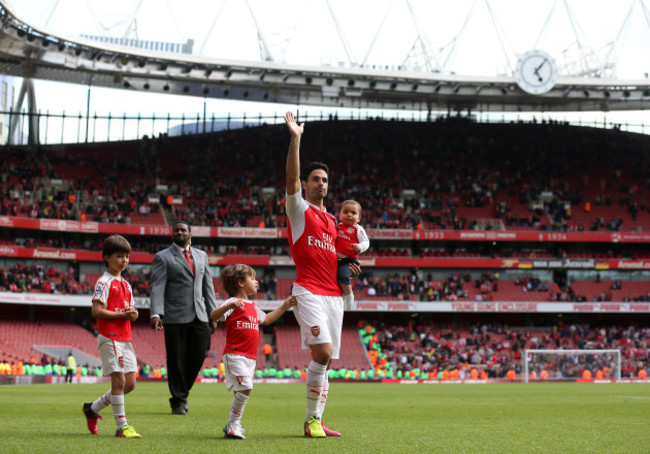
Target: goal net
{"type": "Point", "coordinates": [569, 365]}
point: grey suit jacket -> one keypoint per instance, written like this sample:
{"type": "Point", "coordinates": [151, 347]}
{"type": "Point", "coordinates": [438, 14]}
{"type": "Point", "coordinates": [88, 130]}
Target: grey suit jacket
{"type": "Point", "coordinates": [177, 295]}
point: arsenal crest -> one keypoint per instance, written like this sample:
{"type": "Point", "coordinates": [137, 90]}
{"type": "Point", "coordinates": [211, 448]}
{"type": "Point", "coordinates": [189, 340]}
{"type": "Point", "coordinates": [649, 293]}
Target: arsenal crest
{"type": "Point", "coordinates": [121, 360]}
{"type": "Point", "coordinates": [315, 330]}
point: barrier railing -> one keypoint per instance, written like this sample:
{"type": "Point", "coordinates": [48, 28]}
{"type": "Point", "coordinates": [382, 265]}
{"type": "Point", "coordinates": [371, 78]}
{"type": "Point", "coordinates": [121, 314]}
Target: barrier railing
{"type": "Point", "coordinates": [65, 127]}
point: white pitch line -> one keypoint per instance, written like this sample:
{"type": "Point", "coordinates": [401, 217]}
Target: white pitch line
{"type": "Point", "coordinates": [634, 397]}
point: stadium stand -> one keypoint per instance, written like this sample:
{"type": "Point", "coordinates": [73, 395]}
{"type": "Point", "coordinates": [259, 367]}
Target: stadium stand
{"type": "Point", "coordinates": [449, 175]}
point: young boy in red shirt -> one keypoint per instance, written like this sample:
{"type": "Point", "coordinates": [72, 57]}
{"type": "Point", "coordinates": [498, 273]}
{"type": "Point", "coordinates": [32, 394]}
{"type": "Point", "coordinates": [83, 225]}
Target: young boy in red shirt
{"type": "Point", "coordinates": [242, 318]}
{"type": "Point", "coordinates": [114, 311]}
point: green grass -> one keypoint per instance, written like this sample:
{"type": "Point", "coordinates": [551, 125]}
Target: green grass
{"type": "Point", "coordinates": [374, 418]}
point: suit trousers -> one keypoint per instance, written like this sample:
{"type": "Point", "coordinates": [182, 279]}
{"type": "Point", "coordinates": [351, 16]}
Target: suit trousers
{"type": "Point", "coordinates": [187, 345]}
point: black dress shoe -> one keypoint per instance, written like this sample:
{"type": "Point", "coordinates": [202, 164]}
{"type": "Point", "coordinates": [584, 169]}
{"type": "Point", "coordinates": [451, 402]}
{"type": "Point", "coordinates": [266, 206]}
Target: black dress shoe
{"type": "Point", "coordinates": [182, 410]}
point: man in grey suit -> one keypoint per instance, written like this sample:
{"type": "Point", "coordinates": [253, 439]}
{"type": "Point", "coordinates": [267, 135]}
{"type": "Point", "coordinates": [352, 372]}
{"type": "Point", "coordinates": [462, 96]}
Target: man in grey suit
{"type": "Point", "coordinates": [182, 295]}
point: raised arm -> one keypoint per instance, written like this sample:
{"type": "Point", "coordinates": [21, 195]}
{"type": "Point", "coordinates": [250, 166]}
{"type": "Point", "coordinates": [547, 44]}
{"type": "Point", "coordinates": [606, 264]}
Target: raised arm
{"type": "Point", "coordinates": [293, 158]}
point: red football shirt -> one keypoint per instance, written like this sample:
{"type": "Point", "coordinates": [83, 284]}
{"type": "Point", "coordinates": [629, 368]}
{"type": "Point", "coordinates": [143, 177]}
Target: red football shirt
{"type": "Point", "coordinates": [312, 237]}
{"type": "Point", "coordinates": [116, 296]}
{"type": "Point", "coordinates": [346, 236]}
{"type": "Point", "coordinates": [243, 328]}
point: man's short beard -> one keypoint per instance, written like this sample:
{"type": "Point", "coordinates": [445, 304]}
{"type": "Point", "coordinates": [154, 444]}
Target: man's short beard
{"type": "Point", "coordinates": [180, 243]}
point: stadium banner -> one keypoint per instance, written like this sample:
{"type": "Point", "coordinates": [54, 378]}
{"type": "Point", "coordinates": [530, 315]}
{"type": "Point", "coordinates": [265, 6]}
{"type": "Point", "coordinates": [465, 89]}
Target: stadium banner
{"type": "Point", "coordinates": [68, 226]}
{"type": "Point", "coordinates": [371, 262]}
{"type": "Point", "coordinates": [531, 235]}
{"type": "Point", "coordinates": [377, 305]}
{"type": "Point", "coordinates": [252, 260]}
{"type": "Point", "coordinates": [389, 234]}
{"type": "Point", "coordinates": [65, 254]}
{"type": "Point", "coordinates": [246, 232]}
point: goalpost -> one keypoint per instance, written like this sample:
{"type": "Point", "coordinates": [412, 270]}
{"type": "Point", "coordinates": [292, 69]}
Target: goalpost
{"type": "Point", "coordinates": [567, 365]}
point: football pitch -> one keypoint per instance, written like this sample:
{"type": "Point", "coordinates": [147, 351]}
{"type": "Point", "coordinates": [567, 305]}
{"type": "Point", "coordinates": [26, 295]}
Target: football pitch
{"type": "Point", "coordinates": [374, 418]}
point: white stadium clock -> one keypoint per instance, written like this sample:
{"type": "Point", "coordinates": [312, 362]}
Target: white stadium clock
{"type": "Point", "coordinates": [536, 72]}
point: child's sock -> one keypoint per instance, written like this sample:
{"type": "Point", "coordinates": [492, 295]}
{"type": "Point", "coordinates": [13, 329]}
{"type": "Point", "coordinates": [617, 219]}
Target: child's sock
{"type": "Point", "coordinates": [101, 403]}
{"type": "Point", "coordinates": [348, 300]}
{"type": "Point", "coordinates": [237, 408]}
{"type": "Point", "coordinates": [316, 374]}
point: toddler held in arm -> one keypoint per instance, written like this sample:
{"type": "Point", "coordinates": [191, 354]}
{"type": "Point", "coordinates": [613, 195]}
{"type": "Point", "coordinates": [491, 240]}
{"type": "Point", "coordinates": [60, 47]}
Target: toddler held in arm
{"type": "Point", "coordinates": [351, 240]}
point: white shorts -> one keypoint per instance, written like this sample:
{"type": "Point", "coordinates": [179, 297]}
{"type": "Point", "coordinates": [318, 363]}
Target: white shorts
{"type": "Point", "coordinates": [320, 318]}
{"type": "Point", "coordinates": [117, 356]}
{"type": "Point", "coordinates": [239, 371]}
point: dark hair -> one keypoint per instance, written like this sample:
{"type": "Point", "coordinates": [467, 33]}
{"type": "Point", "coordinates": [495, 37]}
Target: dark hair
{"type": "Point", "coordinates": [309, 168]}
{"type": "Point", "coordinates": [114, 244]}
{"type": "Point", "coordinates": [232, 274]}
{"type": "Point", "coordinates": [189, 227]}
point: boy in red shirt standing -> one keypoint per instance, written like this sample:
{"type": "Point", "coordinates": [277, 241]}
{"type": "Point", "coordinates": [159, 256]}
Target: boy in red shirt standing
{"type": "Point", "coordinates": [242, 318]}
{"type": "Point", "coordinates": [114, 311]}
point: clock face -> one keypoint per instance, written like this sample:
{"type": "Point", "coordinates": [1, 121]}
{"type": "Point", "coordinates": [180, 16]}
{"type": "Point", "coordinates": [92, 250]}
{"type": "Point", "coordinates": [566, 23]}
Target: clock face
{"type": "Point", "coordinates": [536, 72]}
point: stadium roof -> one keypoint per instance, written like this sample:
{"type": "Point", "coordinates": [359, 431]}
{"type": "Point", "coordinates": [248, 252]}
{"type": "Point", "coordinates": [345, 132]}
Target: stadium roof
{"type": "Point", "coordinates": [31, 52]}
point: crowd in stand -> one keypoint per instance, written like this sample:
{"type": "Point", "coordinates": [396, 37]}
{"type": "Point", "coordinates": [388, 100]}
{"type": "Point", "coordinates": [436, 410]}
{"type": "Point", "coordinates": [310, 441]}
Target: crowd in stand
{"type": "Point", "coordinates": [425, 288]}
{"type": "Point", "coordinates": [424, 351]}
{"type": "Point", "coordinates": [544, 167]}
{"type": "Point", "coordinates": [21, 278]}
{"type": "Point", "coordinates": [59, 368]}
{"type": "Point", "coordinates": [493, 350]}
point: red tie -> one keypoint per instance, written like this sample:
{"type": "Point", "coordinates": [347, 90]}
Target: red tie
{"type": "Point", "coordinates": [189, 259]}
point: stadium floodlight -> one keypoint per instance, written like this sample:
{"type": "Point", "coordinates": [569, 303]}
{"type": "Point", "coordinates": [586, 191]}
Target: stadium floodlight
{"type": "Point", "coordinates": [571, 365]}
